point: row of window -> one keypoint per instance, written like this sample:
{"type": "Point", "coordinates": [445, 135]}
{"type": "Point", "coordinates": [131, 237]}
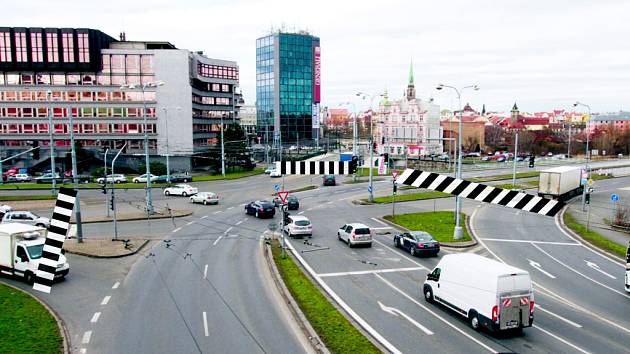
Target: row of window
{"type": "Point", "coordinates": [208, 128]}
{"type": "Point", "coordinates": [36, 47]}
{"type": "Point", "coordinates": [221, 101]}
{"type": "Point", "coordinates": [78, 128]}
{"type": "Point", "coordinates": [217, 71]}
{"type": "Point", "coordinates": [115, 144]}
{"type": "Point", "coordinates": [86, 112]}
{"type": "Point", "coordinates": [128, 64]}
{"type": "Point", "coordinates": [76, 96]}
{"type": "Point", "coordinates": [197, 113]}
{"type": "Point", "coordinates": [72, 79]}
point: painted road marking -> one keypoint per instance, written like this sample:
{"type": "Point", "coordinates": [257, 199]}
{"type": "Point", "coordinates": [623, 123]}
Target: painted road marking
{"type": "Point", "coordinates": [309, 209]}
{"type": "Point", "coordinates": [218, 211]}
{"type": "Point", "coordinates": [376, 271]}
{"type": "Point", "coordinates": [537, 266]}
{"type": "Point", "coordinates": [598, 269]}
{"type": "Point", "coordinates": [95, 317]}
{"type": "Point", "coordinates": [205, 216]}
{"type": "Point", "coordinates": [560, 339]}
{"type": "Point", "coordinates": [205, 272]}
{"type": "Point", "coordinates": [217, 240]}
{"type": "Point", "coordinates": [86, 337]}
{"type": "Point", "coordinates": [205, 324]}
{"type": "Point", "coordinates": [300, 213]}
{"type": "Point", "coordinates": [537, 242]}
{"type": "Point", "coordinates": [228, 230]}
{"type": "Point", "coordinates": [396, 312]}
{"type": "Point", "coordinates": [105, 300]}
{"type": "Point", "coordinates": [379, 221]}
{"type": "Point", "coordinates": [398, 254]}
{"type": "Point", "coordinates": [230, 208]}
{"type": "Point", "coordinates": [538, 307]}
{"type": "Point", "coordinates": [329, 202]}
{"type": "Point", "coordinates": [116, 285]}
{"type": "Point", "coordinates": [240, 222]}
{"type": "Point", "coordinates": [177, 229]}
{"type": "Point", "coordinates": [190, 223]}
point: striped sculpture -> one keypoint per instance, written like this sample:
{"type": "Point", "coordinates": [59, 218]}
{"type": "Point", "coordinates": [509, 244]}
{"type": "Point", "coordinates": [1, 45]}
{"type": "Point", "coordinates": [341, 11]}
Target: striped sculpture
{"type": "Point", "coordinates": [316, 167]}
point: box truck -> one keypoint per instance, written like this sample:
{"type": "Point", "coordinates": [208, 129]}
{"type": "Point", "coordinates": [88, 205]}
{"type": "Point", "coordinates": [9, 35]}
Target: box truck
{"type": "Point", "coordinates": [562, 183]}
{"type": "Point", "coordinates": [627, 279]}
{"type": "Point", "coordinates": [21, 248]}
{"type": "Point", "coordinates": [487, 293]}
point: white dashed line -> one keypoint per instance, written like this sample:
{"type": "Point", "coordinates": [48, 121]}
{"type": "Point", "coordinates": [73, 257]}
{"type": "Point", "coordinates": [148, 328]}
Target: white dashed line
{"type": "Point", "coordinates": [300, 213]}
{"type": "Point", "coordinates": [116, 285]}
{"type": "Point", "coordinates": [95, 317]}
{"type": "Point", "coordinates": [230, 208]}
{"type": "Point", "coordinates": [203, 217]}
{"type": "Point", "coordinates": [83, 351]}
{"type": "Point", "coordinates": [190, 223]}
{"type": "Point", "coordinates": [105, 300]}
{"type": "Point", "coordinates": [379, 221]}
{"type": "Point", "coordinates": [240, 222]}
{"type": "Point", "coordinates": [228, 230]}
{"type": "Point", "coordinates": [177, 229]}
{"type": "Point", "coordinates": [217, 240]}
{"type": "Point", "coordinates": [309, 209]}
{"type": "Point", "coordinates": [539, 308]}
{"type": "Point", "coordinates": [86, 337]}
{"type": "Point", "coordinates": [205, 324]}
{"type": "Point", "coordinates": [329, 202]}
{"type": "Point", "coordinates": [205, 272]}
{"type": "Point", "coordinates": [218, 211]}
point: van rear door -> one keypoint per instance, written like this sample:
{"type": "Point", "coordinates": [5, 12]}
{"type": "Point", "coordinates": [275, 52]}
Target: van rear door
{"type": "Point", "coordinates": [515, 298]}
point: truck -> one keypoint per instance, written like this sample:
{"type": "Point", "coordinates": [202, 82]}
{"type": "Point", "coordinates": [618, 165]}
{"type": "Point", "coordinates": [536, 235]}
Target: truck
{"type": "Point", "coordinates": [21, 248]}
{"type": "Point", "coordinates": [487, 293]}
{"type": "Point", "coordinates": [562, 183]}
{"type": "Point", "coordinates": [627, 278]}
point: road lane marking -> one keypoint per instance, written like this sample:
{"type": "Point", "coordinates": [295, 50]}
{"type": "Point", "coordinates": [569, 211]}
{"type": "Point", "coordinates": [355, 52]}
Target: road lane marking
{"type": "Point", "coordinates": [205, 272]}
{"type": "Point", "coordinates": [396, 312]}
{"type": "Point", "coordinates": [230, 208]}
{"type": "Point", "coordinates": [435, 314]}
{"type": "Point", "coordinates": [379, 221]}
{"type": "Point", "coordinates": [560, 339]}
{"type": "Point", "coordinates": [528, 241]}
{"type": "Point", "coordinates": [218, 211]}
{"type": "Point", "coordinates": [83, 351]}
{"type": "Point", "coordinates": [86, 337]}
{"type": "Point", "coordinates": [95, 317]}
{"type": "Point", "coordinates": [205, 324]}
{"type": "Point", "coordinates": [309, 209]}
{"type": "Point", "coordinates": [598, 269]}
{"type": "Point", "coordinates": [205, 216]}
{"type": "Point", "coordinates": [329, 202]}
{"type": "Point", "coordinates": [538, 267]}
{"type": "Point", "coordinates": [105, 300]}
{"type": "Point", "coordinates": [376, 271]}
{"type": "Point", "coordinates": [538, 307]}
{"type": "Point", "coordinates": [177, 229]}
{"type": "Point", "coordinates": [190, 223]}
{"type": "Point", "coordinates": [228, 230]}
{"type": "Point", "coordinates": [116, 285]}
{"type": "Point", "coordinates": [240, 222]}
{"type": "Point", "coordinates": [399, 254]}
{"type": "Point", "coordinates": [300, 213]}
{"type": "Point", "coordinates": [583, 275]}
{"type": "Point", "coordinates": [381, 228]}
{"type": "Point", "coordinates": [217, 240]}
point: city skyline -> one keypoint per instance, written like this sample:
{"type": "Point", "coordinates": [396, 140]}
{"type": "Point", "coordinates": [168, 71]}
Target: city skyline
{"type": "Point", "coordinates": [542, 59]}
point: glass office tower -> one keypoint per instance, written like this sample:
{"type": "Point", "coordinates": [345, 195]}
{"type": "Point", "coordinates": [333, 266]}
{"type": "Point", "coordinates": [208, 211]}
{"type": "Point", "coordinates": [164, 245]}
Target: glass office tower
{"type": "Point", "coordinates": [287, 88]}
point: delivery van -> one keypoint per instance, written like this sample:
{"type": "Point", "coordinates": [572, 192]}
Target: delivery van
{"type": "Point", "coordinates": [487, 293]}
{"type": "Point", "coordinates": [21, 248]}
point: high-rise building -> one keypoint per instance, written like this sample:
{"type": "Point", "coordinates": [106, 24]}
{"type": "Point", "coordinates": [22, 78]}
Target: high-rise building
{"type": "Point", "coordinates": [63, 72]}
{"type": "Point", "coordinates": [288, 88]}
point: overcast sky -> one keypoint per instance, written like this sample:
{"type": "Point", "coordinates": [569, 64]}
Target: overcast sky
{"type": "Point", "coordinates": [543, 55]}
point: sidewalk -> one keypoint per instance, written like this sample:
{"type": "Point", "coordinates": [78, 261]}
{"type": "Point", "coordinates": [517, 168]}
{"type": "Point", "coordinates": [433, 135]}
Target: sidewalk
{"type": "Point", "coordinates": [596, 222]}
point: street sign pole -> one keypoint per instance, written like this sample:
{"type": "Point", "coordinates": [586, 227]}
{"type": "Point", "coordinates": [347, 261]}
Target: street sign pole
{"type": "Point", "coordinates": [282, 230]}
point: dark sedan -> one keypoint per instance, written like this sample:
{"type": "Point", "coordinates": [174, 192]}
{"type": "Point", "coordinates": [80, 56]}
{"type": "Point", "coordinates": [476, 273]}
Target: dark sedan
{"type": "Point", "coordinates": [417, 242]}
{"type": "Point", "coordinates": [260, 209]}
{"type": "Point", "coordinates": [173, 178]}
{"type": "Point", "coordinates": [329, 180]}
{"type": "Point", "coordinates": [292, 202]}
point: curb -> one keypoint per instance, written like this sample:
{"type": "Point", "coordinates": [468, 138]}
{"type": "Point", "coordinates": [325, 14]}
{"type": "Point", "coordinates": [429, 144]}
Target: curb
{"type": "Point", "coordinates": [134, 218]}
{"type": "Point", "coordinates": [114, 256]}
{"type": "Point", "coordinates": [63, 330]}
{"type": "Point", "coordinates": [316, 342]}
{"type": "Point", "coordinates": [457, 245]}
{"type": "Point", "coordinates": [363, 202]}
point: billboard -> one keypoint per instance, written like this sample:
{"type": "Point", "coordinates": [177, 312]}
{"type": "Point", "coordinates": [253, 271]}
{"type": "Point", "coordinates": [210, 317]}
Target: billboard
{"type": "Point", "coordinates": [315, 116]}
{"type": "Point", "coordinates": [317, 74]}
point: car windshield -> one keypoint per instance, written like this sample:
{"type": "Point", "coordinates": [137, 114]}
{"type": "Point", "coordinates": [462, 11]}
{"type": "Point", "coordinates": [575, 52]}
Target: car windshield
{"type": "Point", "coordinates": [422, 236]}
{"type": "Point", "coordinates": [35, 252]}
{"type": "Point", "coordinates": [266, 204]}
{"type": "Point", "coordinates": [362, 231]}
{"type": "Point", "coordinates": [292, 199]}
{"type": "Point", "coordinates": [302, 223]}
{"type": "Point", "coordinates": [329, 178]}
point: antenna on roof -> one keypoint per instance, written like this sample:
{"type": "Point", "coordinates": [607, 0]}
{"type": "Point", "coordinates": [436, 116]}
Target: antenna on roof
{"type": "Point", "coordinates": [123, 37]}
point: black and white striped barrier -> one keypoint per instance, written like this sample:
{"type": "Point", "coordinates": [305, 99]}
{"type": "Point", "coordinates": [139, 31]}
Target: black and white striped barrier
{"type": "Point", "coordinates": [316, 167]}
{"type": "Point", "coordinates": [480, 192]}
{"type": "Point", "coordinates": [59, 225]}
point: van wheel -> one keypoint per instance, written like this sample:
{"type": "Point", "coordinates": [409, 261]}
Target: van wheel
{"type": "Point", "coordinates": [428, 294]}
{"type": "Point", "coordinates": [29, 277]}
{"type": "Point", "coordinates": [257, 215]}
{"type": "Point", "coordinates": [473, 319]}
{"type": "Point", "coordinates": [167, 193]}
{"type": "Point", "coordinates": [184, 194]}
{"type": "Point", "coordinates": [205, 202]}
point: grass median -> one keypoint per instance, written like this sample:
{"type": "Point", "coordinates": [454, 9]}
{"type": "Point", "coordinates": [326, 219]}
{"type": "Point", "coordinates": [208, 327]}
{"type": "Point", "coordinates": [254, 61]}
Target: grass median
{"type": "Point", "coordinates": [410, 197]}
{"type": "Point", "coordinates": [504, 177]}
{"type": "Point", "coordinates": [594, 237]}
{"type": "Point", "coordinates": [339, 335]}
{"type": "Point", "coordinates": [26, 326]}
{"type": "Point", "coordinates": [13, 198]}
{"type": "Point", "coordinates": [512, 186]}
{"type": "Point", "coordinates": [440, 224]}
{"type": "Point", "coordinates": [230, 175]}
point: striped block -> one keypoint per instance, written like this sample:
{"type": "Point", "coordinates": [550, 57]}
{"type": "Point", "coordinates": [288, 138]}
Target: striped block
{"type": "Point", "coordinates": [59, 225]}
{"type": "Point", "coordinates": [314, 167]}
{"type": "Point", "coordinates": [480, 192]}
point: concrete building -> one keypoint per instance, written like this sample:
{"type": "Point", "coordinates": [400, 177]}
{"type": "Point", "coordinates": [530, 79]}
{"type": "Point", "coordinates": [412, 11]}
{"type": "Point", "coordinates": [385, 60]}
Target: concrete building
{"type": "Point", "coordinates": [620, 120]}
{"type": "Point", "coordinates": [248, 120]}
{"type": "Point", "coordinates": [58, 72]}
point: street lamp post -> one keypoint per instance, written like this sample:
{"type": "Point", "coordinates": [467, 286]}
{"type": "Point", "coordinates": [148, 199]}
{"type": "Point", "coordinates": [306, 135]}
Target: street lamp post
{"type": "Point", "coordinates": [588, 153]}
{"type": "Point", "coordinates": [222, 150]}
{"type": "Point", "coordinates": [168, 153]}
{"type": "Point", "coordinates": [458, 233]}
{"type": "Point", "coordinates": [51, 143]}
{"type": "Point", "coordinates": [354, 134]}
{"type": "Point", "coordinates": [143, 87]}
{"type": "Point", "coordinates": [371, 147]}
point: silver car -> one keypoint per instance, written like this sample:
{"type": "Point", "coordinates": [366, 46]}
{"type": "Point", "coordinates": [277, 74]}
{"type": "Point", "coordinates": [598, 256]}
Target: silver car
{"type": "Point", "coordinates": [205, 198]}
{"type": "Point", "coordinates": [355, 234]}
{"type": "Point", "coordinates": [26, 217]}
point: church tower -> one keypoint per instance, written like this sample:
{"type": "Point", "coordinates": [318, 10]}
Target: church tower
{"type": "Point", "coordinates": [514, 116]}
{"type": "Point", "coordinates": [411, 88]}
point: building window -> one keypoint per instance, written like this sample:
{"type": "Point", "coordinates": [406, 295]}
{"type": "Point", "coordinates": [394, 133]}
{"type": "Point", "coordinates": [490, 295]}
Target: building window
{"type": "Point", "coordinates": [118, 64]}
{"type": "Point", "coordinates": [52, 47]}
{"type": "Point", "coordinates": [59, 79]}
{"type": "Point", "coordinates": [133, 64]}
{"type": "Point", "coordinates": [67, 42]}
{"type": "Point", "coordinates": [37, 54]}
{"type": "Point", "coordinates": [20, 47]}
{"type": "Point", "coordinates": [216, 71]}
{"type": "Point", "coordinates": [147, 64]}
{"type": "Point", "coordinates": [106, 64]}
{"type": "Point", "coordinates": [84, 48]}
{"type": "Point", "coordinates": [5, 47]}
{"type": "Point", "coordinates": [225, 88]}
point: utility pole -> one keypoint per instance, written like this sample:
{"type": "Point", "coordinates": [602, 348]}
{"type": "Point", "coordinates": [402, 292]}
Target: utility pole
{"type": "Point", "coordinates": [569, 144]}
{"type": "Point", "coordinates": [222, 150]}
{"type": "Point", "coordinates": [53, 169]}
{"type": "Point", "coordinates": [113, 195]}
{"type": "Point", "coordinates": [588, 154]}
{"type": "Point", "coordinates": [77, 204]}
{"type": "Point", "coordinates": [515, 155]}
{"type": "Point", "coordinates": [168, 154]}
{"type": "Point", "coordinates": [105, 181]}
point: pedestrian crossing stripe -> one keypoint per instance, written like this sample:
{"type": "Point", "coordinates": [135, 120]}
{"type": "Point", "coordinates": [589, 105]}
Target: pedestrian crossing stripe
{"type": "Point", "coordinates": [59, 225]}
{"type": "Point", "coordinates": [480, 192]}
{"type": "Point", "coordinates": [315, 167]}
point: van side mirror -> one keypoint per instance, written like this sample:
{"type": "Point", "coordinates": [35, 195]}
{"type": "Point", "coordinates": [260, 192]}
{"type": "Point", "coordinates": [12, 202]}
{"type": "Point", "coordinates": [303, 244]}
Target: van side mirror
{"type": "Point", "coordinates": [23, 258]}
{"type": "Point", "coordinates": [63, 251]}
{"type": "Point", "coordinates": [430, 277]}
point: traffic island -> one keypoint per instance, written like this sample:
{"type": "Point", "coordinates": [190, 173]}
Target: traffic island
{"type": "Point", "coordinates": [576, 226]}
{"type": "Point", "coordinates": [104, 248]}
{"type": "Point", "coordinates": [440, 224]}
{"type": "Point", "coordinates": [409, 197]}
{"type": "Point", "coordinates": [27, 325]}
{"type": "Point", "coordinates": [134, 216]}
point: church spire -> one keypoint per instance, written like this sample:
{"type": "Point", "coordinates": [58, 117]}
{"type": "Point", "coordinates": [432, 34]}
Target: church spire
{"type": "Point", "coordinates": [411, 90]}
{"type": "Point", "coordinates": [411, 73]}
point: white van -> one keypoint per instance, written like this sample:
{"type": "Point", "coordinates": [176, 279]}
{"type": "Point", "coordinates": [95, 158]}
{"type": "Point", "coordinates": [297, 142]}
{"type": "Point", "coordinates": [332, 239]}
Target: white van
{"type": "Point", "coordinates": [627, 280]}
{"type": "Point", "coordinates": [488, 293]}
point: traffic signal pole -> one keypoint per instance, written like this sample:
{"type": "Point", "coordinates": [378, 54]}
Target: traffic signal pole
{"type": "Point", "coordinates": [113, 201]}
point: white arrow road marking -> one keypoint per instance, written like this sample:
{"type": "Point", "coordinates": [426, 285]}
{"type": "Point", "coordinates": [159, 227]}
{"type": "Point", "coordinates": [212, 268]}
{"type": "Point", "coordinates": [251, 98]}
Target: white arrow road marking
{"type": "Point", "coordinates": [539, 268]}
{"type": "Point", "coordinates": [205, 272]}
{"type": "Point", "coordinates": [596, 267]}
{"type": "Point", "coordinates": [86, 337]}
{"type": "Point", "coordinates": [397, 313]}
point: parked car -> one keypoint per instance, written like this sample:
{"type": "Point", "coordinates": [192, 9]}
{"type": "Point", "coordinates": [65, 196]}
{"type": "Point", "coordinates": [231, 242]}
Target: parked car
{"type": "Point", "coordinates": [48, 178]}
{"type": "Point", "coordinates": [143, 178]}
{"type": "Point", "coordinates": [21, 177]}
{"type": "Point", "coordinates": [417, 242]}
{"type": "Point", "coordinates": [4, 209]}
{"type": "Point", "coordinates": [297, 225]}
{"type": "Point", "coordinates": [355, 234]}
{"type": "Point", "coordinates": [180, 189]}
{"type": "Point", "coordinates": [275, 174]}
{"type": "Point", "coordinates": [329, 180]}
{"type": "Point", "coordinates": [176, 178]}
{"type": "Point", "coordinates": [115, 178]}
{"type": "Point", "coordinates": [26, 217]}
{"type": "Point", "coordinates": [205, 198]}
{"type": "Point", "coordinates": [270, 168]}
{"type": "Point", "coordinates": [260, 208]}
{"type": "Point", "coordinates": [292, 202]}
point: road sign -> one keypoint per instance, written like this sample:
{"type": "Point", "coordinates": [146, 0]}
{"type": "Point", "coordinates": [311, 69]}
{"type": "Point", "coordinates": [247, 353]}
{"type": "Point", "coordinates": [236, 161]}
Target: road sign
{"type": "Point", "coordinates": [584, 174]}
{"type": "Point", "coordinates": [276, 187]}
{"type": "Point", "coordinates": [590, 182]}
{"type": "Point", "coordinates": [614, 197]}
{"type": "Point", "coordinates": [584, 181]}
{"type": "Point", "coordinates": [283, 196]}
{"type": "Point", "coordinates": [394, 174]}
{"type": "Point", "coordinates": [369, 189]}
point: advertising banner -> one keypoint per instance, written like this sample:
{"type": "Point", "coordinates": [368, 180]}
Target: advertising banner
{"type": "Point", "coordinates": [315, 116]}
{"type": "Point", "coordinates": [317, 74]}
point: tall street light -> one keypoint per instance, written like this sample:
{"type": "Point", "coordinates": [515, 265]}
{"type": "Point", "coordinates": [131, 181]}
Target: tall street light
{"type": "Point", "coordinates": [51, 143]}
{"type": "Point", "coordinates": [458, 233]}
{"type": "Point", "coordinates": [363, 96]}
{"type": "Point", "coordinates": [588, 154]}
{"type": "Point", "coordinates": [354, 133]}
{"type": "Point", "coordinates": [143, 87]}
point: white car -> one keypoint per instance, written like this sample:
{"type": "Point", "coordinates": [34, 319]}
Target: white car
{"type": "Point", "coordinates": [115, 178]}
{"type": "Point", "coordinates": [181, 189]}
{"type": "Point", "coordinates": [355, 234]}
{"type": "Point", "coordinates": [270, 169]}
{"type": "Point", "coordinates": [143, 178]}
{"type": "Point", "coordinates": [275, 174]}
{"type": "Point", "coordinates": [22, 177]}
{"type": "Point", "coordinates": [205, 198]}
{"type": "Point", "coordinates": [26, 217]}
{"type": "Point", "coordinates": [298, 225]}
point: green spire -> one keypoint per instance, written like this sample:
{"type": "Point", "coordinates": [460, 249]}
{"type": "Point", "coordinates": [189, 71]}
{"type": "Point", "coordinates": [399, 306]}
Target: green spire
{"type": "Point", "coordinates": [411, 73]}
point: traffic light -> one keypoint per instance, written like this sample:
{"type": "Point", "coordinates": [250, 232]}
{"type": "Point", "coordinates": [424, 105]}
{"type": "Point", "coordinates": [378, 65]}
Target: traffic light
{"type": "Point", "coordinates": [587, 199]}
{"type": "Point", "coordinates": [354, 164]}
{"type": "Point", "coordinates": [103, 189]}
{"type": "Point", "coordinates": [35, 152]}
{"type": "Point", "coordinates": [395, 188]}
{"type": "Point", "coordinates": [111, 203]}
{"type": "Point", "coordinates": [532, 159]}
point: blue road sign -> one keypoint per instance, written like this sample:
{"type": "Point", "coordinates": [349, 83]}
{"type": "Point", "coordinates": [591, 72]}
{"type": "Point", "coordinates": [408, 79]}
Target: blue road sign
{"type": "Point", "coordinates": [276, 187]}
{"type": "Point", "coordinates": [369, 189]}
{"type": "Point", "coordinates": [614, 197]}
{"type": "Point", "coordinates": [584, 181]}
